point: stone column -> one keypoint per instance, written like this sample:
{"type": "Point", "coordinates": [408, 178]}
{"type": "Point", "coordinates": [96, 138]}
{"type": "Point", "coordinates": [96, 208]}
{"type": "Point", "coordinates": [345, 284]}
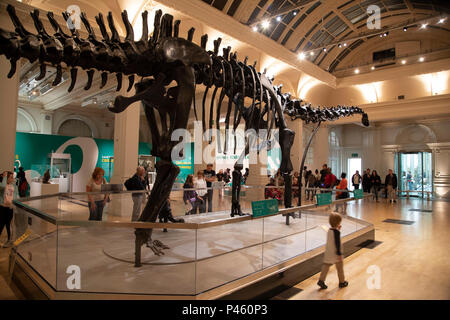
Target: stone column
{"type": "Point", "coordinates": [297, 147]}
{"type": "Point", "coordinates": [321, 149]}
{"type": "Point", "coordinates": [9, 91]}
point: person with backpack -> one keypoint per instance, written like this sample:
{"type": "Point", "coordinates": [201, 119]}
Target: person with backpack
{"type": "Point", "coordinates": [137, 182]}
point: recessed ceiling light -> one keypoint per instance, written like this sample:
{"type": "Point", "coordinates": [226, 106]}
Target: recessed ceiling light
{"type": "Point", "coordinates": [301, 56]}
{"type": "Point", "coordinates": [403, 61]}
{"type": "Point", "coordinates": [405, 28]}
{"type": "Point", "coordinates": [356, 71]}
{"type": "Point", "coordinates": [278, 19]}
{"type": "Point", "coordinates": [265, 24]}
{"type": "Point", "coordinates": [311, 53]}
{"type": "Point", "coordinates": [295, 13]}
{"type": "Point", "coordinates": [441, 20]}
{"type": "Point", "coordinates": [424, 26]}
{"type": "Point", "coordinates": [324, 49]}
{"type": "Point", "coordinates": [345, 44]}
{"type": "Point", "coordinates": [340, 45]}
{"type": "Point", "coordinates": [421, 59]}
{"type": "Point", "coordinates": [373, 68]}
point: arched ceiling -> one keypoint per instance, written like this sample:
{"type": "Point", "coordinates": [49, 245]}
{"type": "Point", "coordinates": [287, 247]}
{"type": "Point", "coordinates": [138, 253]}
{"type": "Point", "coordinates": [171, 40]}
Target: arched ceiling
{"type": "Point", "coordinates": [310, 26]}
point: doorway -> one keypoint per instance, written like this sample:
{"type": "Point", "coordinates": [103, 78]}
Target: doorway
{"type": "Point", "coordinates": [415, 171]}
{"type": "Point", "coordinates": [353, 165]}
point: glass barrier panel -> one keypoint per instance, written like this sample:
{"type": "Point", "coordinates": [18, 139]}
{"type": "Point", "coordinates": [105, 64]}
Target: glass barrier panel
{"type": "Point", "coordinates": [281, 241]}
{"type": "Point", "coordinates": [228, 252]}
{"type": "Point", "coordinates": [39, 248]}
{"type": "Point", "coordinates": [104, 257]}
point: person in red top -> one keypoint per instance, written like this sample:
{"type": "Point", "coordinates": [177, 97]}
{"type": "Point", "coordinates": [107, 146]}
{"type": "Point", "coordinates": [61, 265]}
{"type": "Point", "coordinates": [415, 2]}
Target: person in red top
{"type": "Point", "coordinates": [330, 180]}
{"type": "Point", "coordinates": [342, 207]}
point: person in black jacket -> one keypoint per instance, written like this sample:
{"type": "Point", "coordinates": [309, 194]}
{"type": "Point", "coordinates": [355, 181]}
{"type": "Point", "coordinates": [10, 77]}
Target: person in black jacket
{"type": "Point", "coordinates": [137, 182]}
{"type": "Point", "coordinates": [356, 180]}
{"type": "Point", "coordinates": [366, 181]}
{"type": "Point", "coordinates": [391, 186]}
{"type": "Point", "coordinates": [375, 184]}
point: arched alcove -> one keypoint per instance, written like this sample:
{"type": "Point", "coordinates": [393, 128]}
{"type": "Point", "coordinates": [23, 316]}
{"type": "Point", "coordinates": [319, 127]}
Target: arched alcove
{"type": "Point", "coordinates": [76, 126]}
{"type": "Point", "coordinates": [416, 136]}
{"type": "Point", "coordinates": [25, 121]}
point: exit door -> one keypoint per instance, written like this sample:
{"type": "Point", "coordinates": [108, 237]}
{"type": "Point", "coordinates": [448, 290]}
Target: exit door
{"type": "Point", "coordinates": [415, 173]}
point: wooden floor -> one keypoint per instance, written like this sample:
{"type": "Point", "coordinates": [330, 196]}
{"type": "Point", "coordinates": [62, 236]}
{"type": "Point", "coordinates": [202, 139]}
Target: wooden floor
{"type": "Point", "coordinates": [413, 260]}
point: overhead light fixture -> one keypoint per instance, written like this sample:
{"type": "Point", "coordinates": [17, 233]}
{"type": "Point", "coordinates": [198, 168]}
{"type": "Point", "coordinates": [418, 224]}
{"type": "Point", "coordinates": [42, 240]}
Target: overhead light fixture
{"type": "Point", "coordinates": [356, 71]}
{"type": "Point", "coordinates": [421, 59]}
{"type": "Point", "coordinates": [345, 44]}
{"type": "Point", "coordinates": [295, 13]}
{"type": "Point", "coordinates": [405, 28]}
{"type": "Point", "coordinates": [381, 35]}
{"type": "Point", "coordinates": [255, 28]}
{"type": "Point", "coordinates": [311, 53]}
{"type": "Point", "coordinates": [373, 68]}
{"type": "Point", "coordinates": [339, 45]}
{"type": "Point", "coordinates": [424, 26]}
{"type": "Point", "coordinates": [324, 49]}
{"type": "Point", "coordinates": [301, 56]}
{"type": "Point", "coordinates": [265, 24]}
{"type": "Point", "coordinates": [441, 20]}
{"type": "Point", "coordinates": [403, 61]}
{"type": "Point", "coordinates": [278, 19]}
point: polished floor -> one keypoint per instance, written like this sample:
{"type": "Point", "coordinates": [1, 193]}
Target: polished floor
{"type": "Point", "coordinates": [412, 260]}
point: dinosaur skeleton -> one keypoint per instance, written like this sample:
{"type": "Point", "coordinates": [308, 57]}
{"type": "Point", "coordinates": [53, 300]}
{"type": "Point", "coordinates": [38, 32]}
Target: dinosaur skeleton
{"type": "Point", "coordinates": [158, 60]}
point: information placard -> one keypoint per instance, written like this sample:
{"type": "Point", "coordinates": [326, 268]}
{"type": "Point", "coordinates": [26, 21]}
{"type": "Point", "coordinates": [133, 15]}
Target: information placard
{"type": "Point", "coordinates": [323, 198]}
{"type": "Point", "coordinates": [358, 194]}
{"type": "Point", "coordinates": [264, 207]}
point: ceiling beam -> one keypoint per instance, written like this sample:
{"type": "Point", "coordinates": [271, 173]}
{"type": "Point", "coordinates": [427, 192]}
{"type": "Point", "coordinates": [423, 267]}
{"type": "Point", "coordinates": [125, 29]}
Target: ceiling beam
{"type": "Point", "coordinates": [229, 26]}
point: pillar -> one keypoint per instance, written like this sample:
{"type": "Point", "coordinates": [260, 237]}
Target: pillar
{"type": "Point", "coordinates": [321, 148]}
{"type": "Point", "coordinates": [297, 147]}
{"type": "Point", "coordinates": [126, 141]}
{"type": "Point", "coordinates": [9, 91]}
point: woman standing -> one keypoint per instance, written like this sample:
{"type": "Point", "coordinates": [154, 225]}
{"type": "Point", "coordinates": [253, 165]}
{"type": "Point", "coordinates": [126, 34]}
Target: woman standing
{"type": "Point", "coordinates": [8, 193]}
{"type": "Point", "coordinates": [375, 183]}
{"type": "Point", "coordinates": [190, 196]}
{"type": "Point", "coordinates": [342, 195]}
{"type": "Point", "coordinates": [96, 201]}
{"type": "Point", "coordinates": [200, 185]}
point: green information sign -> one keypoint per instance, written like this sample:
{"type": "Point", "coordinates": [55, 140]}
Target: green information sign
{"type": "Point", "coordinates": [264, 207]}
{"type": "Point", "coordinates": [354, 155]}
{"type": "Point", "coordinates": [358, 194]}
{"type": "Point", "coordinates": [323, 198]}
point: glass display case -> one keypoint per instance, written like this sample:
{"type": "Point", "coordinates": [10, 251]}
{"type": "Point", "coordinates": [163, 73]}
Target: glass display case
{"type": "Point", "coordinates": [209, 253]}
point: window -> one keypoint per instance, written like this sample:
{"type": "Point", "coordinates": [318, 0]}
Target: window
{"type": "Point", "coordinates": [309, 160]}
{"type": "Point", "coordinates": [333, 140]}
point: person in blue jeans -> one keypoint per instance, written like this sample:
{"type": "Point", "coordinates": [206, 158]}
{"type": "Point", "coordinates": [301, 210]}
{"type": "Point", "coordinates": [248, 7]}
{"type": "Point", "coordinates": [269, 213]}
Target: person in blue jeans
{"type": "Point", "coordinates": [96, 201]}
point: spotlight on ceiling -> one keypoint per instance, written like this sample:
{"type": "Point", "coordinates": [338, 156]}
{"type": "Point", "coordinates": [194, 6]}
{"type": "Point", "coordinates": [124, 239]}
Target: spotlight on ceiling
{"type": "Point", "coordinates": [265, 24]}
{"type": "Point", "coordinates": [278, 19]}
{"type": "Point", "coordinates": [372, 68]}
{"type": "Point", "coordinates": [324, 49]}
{"type": "Point", "coordinates": [356, 71]}
{"type": "Point", "coordinates": [339, 45]}
{"type": "Point", "coordinates": [255, 28]}
{"type": "Point", "coordinates": [381, 35]}
{"type": "Point", "coordinates": [405, 28]}
{"type": "Point", "coordinates": [421, 59]}
{"type": "Point", "coordinates": [295, 13]}
{"type": "Point", "coordinates": [301, 56]}
{"type": "Point", "coordinates": [403, 61]}
{"type": "Point", "coordinates": [424, 26]}
{"type": "Point", "coordinates": [345, 44]}
{"type": "Point", "coordinates": [311, 53]}
{"type": "Point", "coordinates": [441, 20]}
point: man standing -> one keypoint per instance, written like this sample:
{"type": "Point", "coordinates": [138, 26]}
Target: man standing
{"type": "Point", "coordinates": [366, 181]}
{"type": "Point", "coordinates": [210, 177]}
{"type": "Point", "coordinates": [137, 182]}
{"type": "Point", "coordinates": [323, 174]}
{"type": "Point", "coordinates": [391, 185]}
{"type": "Point", "coordinates": [356, 180]}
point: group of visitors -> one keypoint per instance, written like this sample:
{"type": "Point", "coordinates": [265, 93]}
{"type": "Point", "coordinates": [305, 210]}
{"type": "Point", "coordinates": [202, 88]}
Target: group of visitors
{"type": "Point", "coordinates": [371, 183]}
